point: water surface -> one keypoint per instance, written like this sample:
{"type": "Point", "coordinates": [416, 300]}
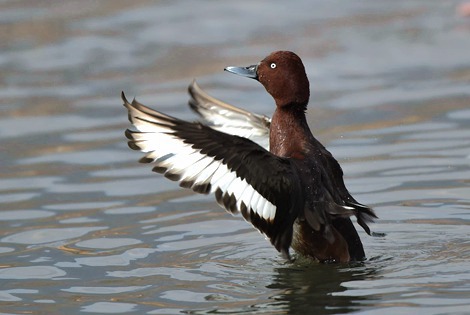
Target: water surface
{"type": "Point", "coordinates": [86, 229]}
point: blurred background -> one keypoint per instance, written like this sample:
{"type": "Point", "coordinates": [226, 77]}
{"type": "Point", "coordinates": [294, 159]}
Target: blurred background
{"type": "Point", "coordinates": [84, 228]}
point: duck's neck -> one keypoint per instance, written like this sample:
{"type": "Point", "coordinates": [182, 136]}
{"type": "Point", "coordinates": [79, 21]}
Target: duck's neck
{"type": "Point", "coordinates": [289, 131]}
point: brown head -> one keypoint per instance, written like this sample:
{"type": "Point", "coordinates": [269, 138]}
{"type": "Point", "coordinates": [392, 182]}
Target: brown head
{"type": "Point", "coordinates": [283, 75]}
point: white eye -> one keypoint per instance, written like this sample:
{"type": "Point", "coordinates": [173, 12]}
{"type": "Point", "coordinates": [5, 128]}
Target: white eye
{"type": "Point", "coordinates": [273, 65]}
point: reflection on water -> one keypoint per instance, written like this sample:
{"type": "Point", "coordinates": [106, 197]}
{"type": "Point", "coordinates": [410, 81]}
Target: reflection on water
{"type": "Point", "coordinates": [85, 229]}
{"type": "Point", "coordinates": [319, 289]}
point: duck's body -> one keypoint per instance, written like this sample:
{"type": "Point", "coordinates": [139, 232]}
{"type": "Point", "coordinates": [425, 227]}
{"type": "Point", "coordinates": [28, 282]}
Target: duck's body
{"type": "Point", "coordinates": [294, 194]}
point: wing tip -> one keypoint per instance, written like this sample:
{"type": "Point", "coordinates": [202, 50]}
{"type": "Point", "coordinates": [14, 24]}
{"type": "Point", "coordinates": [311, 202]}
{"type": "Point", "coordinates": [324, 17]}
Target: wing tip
{"type": "Point", "coordinates": [126, 103]}
{"type": "Point", "coordinates": [195, 93]}
{"type": "Point", "coordinates": [193, 86]}
{"type": "Point", "coordinates": [124, 99]}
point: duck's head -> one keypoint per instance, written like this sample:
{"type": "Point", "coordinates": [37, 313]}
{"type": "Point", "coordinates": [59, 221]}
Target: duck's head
{"type": "Point", "coordinates": [283, 75]}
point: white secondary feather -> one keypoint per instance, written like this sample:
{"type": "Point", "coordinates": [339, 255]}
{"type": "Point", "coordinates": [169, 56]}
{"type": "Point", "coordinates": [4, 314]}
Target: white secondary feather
{"type": "Point", "coordinates": [192, 172]}
{"type": "Point", "coordinates": [224, 182]}
{"type": "Point", "coordinates": [189, 165]}
{"type": "Point", "coordinates": [259, 207]}
{"type": "Point", "coordinates": [206, 175]}
{"type": "Point", "coordinates": [253, 204]}
{"type": "Point", "coordinates": [179, 162]}
{"type": "Point", "coordinates": [221, 171]}
{"type": "Point", "coordinates": [237, 187]}
{"type": "Point", "coordinates": [269, 211]}
{"type": "Point", "coordinates": [247, 196]}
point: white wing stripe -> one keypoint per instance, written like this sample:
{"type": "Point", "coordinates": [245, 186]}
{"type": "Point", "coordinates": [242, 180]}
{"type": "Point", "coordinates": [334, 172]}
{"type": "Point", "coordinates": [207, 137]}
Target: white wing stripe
{"type": "Point", "coordinates": [237, 187]}
{"type": "Point", "coordinates": [269, 211]}
{"type": "Point", "coordinates": [181, 159]}
{"type": "Point", "coordinates": [207, 173]}
{"type": "Point", "coordinates": [225, 181]}
{"type": "Point", "coordinates": [244, 192]}
{"type": "Point", "coordinates": [179, 162]}
{"type": "Point", "coordinates": [246, 196]}
{"type": "Point", "coordinates": [192, 171]}
{"type": "Point", "coordinates": [254, 200]}
{"type": "Point", "coordinates": [219, 173]}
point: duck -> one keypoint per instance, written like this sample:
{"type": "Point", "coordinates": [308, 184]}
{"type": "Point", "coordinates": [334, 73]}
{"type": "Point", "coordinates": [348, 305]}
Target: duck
{"type": "Point", "coordinates": [272, 171]}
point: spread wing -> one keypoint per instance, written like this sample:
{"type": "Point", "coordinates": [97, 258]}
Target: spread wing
{"type": "Point", "coordinates": [229, 119]}
{"type": "Point", "coordinates": [244, 177]}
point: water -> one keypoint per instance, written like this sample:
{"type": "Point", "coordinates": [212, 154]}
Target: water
{"type": "Point", "coordinates": [86, 229]}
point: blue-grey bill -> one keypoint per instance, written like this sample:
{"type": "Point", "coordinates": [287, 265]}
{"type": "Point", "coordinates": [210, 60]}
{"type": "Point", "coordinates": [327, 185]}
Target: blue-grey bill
{"type": "Point", "coordinates": [249, 72]}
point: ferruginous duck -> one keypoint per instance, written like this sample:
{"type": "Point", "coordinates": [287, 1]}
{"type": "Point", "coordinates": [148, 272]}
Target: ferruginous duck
{"type": "Point", "coordinates": [273, 171]}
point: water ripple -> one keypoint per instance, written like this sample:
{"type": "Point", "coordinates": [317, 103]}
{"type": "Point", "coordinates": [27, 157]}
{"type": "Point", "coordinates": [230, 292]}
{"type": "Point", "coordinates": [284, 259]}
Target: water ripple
{"type": "Point", "coordinates": [31, 272]}
{"type": "Point", "coordinates": [42, 236]}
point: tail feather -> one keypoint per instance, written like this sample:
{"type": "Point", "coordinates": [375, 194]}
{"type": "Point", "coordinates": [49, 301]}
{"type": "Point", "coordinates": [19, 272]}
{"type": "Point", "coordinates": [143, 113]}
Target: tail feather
{"type": "Point", "coordinates": [364, 215]}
